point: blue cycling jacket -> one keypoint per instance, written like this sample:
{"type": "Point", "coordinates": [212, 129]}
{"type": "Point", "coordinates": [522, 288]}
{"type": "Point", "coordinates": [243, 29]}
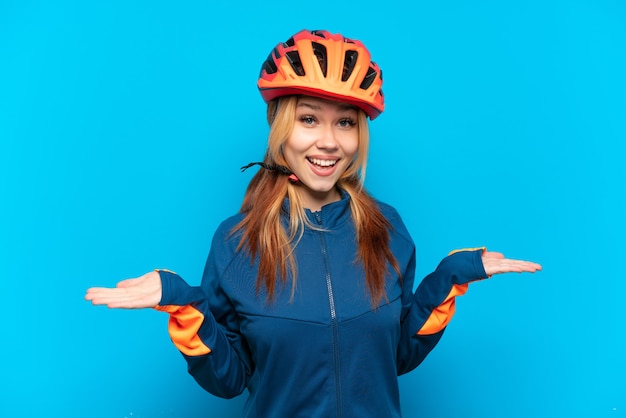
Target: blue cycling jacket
{"type": "Point", "coordinates": [321, 351]}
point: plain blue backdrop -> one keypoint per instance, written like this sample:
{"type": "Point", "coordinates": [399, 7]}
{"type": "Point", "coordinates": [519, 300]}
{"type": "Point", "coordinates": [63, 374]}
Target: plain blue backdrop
{"type": "Point", "coordinates": [123, 125]}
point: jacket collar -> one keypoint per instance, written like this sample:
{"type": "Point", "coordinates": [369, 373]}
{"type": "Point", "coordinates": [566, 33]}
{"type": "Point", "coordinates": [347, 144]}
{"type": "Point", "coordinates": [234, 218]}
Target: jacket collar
{"type": "Point", "coordinates": [330, 215]}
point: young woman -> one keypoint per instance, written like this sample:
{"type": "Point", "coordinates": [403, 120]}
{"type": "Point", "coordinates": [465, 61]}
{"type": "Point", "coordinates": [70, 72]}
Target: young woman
{"type": "Point", "coordinates": [307, 296]}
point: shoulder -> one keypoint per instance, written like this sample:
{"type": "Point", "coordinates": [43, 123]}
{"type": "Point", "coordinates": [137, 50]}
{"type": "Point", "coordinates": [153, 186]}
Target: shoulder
{"type": "Point", "coordinates": [393, 216]}
{"type": "Point", "coordinates": [224, 246]}
{"type": "Point", "coordinates": [225, 235]}
{"type": "Point", "coordinates": [227, 225]}
{"type": "Point", "coordinates": [388, 211]}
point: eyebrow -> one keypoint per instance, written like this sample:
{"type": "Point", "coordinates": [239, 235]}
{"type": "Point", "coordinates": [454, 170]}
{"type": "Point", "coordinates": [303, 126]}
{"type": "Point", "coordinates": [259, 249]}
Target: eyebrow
{"type": "Point", "coordinates": [309, 105]}
{"type": "Point", "coordinates": [313, 106]}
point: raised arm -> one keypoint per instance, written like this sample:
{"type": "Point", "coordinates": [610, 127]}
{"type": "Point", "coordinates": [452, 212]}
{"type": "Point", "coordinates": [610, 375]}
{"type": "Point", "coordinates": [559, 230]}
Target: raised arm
{"type": "Point", "coordinates": [214, 353]}
{"type": "Point", "coordinates": [431, 307]}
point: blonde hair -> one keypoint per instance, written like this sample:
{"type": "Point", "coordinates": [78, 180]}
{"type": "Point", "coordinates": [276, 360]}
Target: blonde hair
{"type": "Point", "coordinates": [263, 231]}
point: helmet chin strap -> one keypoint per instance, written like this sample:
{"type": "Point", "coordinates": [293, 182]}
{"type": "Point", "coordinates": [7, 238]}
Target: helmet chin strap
{"type": "Point", "coordinates": [293, 179]}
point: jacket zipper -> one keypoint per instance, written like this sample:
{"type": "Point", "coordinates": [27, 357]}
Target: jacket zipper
{"type": "Point", "coordinates": [333, 316]}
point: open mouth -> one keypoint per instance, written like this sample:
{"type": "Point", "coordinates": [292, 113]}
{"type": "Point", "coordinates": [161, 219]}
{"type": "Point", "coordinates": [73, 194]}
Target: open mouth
{"type": "Point", "coordinates": [322, 163]}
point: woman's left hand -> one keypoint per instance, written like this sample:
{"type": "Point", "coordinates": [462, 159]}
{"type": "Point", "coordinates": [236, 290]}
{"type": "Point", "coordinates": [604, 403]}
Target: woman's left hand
{"type": "Point", "coordinates": [495, 263]}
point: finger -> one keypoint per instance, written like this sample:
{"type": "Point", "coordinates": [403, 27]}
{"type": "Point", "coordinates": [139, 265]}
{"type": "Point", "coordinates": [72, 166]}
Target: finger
{"type": "Point", "coordinates": [123, 302]}
{"type": "Point", "coordinates": [94, 292]}
{"type": "Point", "coordinates": [151, 276]}
{"type": "Point", "coordinates": [129, 282]}
{"type": "Point", "coordinates": [525, 265]}
{"type": "Point", "coordinates": [493, 254]}
{"type": "Point", "coordinates": [498, 266]}
{"type": "Point", "coordinates": [99, 298]}
{"type": "Point", "coordinates": [130, 297]}
{"type": "Point", "coordinates": [135, 301]}
{"type": "Point", "coordinates": [105, 296]}
{"type": "Point", "coordinates": [99, 292]}
{"type": "Point", "coordinates": [532, 267]}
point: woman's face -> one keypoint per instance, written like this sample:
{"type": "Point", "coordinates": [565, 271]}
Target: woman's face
{"type": "Point", "coordinates": [323, 143]}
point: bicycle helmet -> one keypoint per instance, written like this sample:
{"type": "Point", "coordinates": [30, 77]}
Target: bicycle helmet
{"type": "Point", "coordinates": [321, 64]}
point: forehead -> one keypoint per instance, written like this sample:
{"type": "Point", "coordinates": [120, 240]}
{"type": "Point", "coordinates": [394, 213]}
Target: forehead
{"type": "Point", "coordinates": [316, 103]}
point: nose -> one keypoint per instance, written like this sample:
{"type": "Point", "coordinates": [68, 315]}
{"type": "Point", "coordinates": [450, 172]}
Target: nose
{"type": "Point", "coordinates": [327, 139]}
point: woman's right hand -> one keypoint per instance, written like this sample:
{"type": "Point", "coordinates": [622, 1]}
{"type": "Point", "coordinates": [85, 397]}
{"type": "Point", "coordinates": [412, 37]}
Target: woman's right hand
{"type": "Point", "coordinates": [141, 292]}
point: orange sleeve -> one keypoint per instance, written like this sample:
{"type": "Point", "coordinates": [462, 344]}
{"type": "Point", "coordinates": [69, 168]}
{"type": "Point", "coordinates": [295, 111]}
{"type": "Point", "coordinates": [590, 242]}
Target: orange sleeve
{"type": "Point", "coordinates": [442, 314]}
{"type": "Point", "coordinates": [183, 326]}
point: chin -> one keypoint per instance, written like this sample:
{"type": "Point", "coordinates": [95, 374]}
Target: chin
{"type": "Point", "coordinates": [323, 188]}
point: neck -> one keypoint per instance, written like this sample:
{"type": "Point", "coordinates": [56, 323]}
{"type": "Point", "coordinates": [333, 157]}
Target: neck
{"type": "Point", "coordinates": [314, 200]}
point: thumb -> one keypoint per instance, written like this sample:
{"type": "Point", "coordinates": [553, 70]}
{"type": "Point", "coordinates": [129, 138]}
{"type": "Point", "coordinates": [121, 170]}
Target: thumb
{"type": "Point", "coordinates": [492, 254]}
{"type": "Point", "coordinates": [129, 282]}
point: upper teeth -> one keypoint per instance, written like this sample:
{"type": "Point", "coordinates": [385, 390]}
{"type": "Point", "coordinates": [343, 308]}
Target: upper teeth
{"type": "Point", "coordinates": [323, 163]}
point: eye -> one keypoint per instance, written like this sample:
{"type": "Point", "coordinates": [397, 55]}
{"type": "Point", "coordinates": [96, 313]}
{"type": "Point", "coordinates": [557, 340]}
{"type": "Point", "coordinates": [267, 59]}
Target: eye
{"type": "Point", "coordinates": [307, 120]}
{"type": "Point", "coordinates": [346, 123]}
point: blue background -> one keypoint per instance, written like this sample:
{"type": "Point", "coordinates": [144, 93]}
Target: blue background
{"type": "Point", "coordinates": [123, 125]}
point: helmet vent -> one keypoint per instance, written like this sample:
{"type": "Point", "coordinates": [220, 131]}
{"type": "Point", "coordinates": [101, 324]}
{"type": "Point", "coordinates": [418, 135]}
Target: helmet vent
{"type": "Point", "coordinates": [320, 53]}
{"type": "Point", "coordinates": [296, 63]}
{"type": "Point", "coordinates": [369, 78]}
{"type": "Point", "coordinates": [269, 66]}
{"type": "Point", "coordinates": [290, 42]}
{"type": "Point", "coordinates": [320, 33]}
{"type": "Point", "coordinates": [349, 61]}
